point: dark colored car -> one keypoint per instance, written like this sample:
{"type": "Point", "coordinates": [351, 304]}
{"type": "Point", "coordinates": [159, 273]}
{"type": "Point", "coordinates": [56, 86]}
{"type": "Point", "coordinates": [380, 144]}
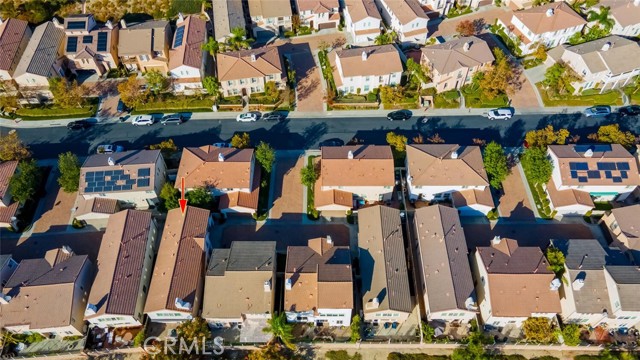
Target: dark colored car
{"type": "Point", "coordinates": [332, 142]}
{"type": "Point", "coordinates": [632, 110]}
{"type": "Point", "coordinates": [273, 116]}
{"type": "Point", "coordinates": [172, 119]}
{"type": "Point", "coordinates": [78, 125]}
{"type": "Point", "coordinates": [399, 115]}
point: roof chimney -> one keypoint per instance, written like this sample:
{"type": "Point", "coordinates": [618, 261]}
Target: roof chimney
{"type": "Point", "coordinates": [364, 55]}
{"type": "Point", "coordinates": [549, 12]}
{"type": "Point", "coordinates": [90, 310]}
{"type": "Point", "coordinates": [110, 161]}
{"type": "Point", "coordinates": [220, 157]}
{"type": "Point", "coordinates": [56, 22]}
{"type": "Point", "coordinates": [606, 46]}
{"type": "Point", "coordinates": [1, 20]}
{"type": "Point", "coordinates": [496, 240]}
{"type": "Point", "coordinates": [467, 46]}
{"type": "Point", "coordinates": [182, 305]}
{"type": "Point", "coordinates": [123, 24]}
{"type": "Point", "coordinates": [588, 153]}
{"type": "Point", "coordinates": [454, 154]}
{"type": "Point", "coordinates": [329, 240]}
{"type": "Point", "coordinates": [373, 304]}
{"type": "Point", "coordinates": [350, 155]}
{"type": "Point", "coordinates": [253, 57]}
{"type": "Point", "coordinates": [287, 284]}
{"type": "Point", "coordinates": [267, 286]}
{"type": "Point", "coordinates": [555, 284]}
{"type": "Point", "coordinates": [109, 25]}
{"type": "Point", "coordinates": [4, 299]}
{"type": "Point", "coordinates": [180, 18]}
{"type": "Point", "coordinates": [578, 284]}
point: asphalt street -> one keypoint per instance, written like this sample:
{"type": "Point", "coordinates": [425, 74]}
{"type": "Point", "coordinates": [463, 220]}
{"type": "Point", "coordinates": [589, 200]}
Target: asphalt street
{"type": "Point", "coordinates": [308, 133]}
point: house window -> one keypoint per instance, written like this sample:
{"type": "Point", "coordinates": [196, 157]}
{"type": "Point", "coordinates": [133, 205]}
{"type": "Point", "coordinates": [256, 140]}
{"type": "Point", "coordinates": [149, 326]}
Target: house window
{"type": "Point", "coordinates": [144, 57]}
{"type": "Point", "coordinates": [254, 80]}
{"type": "Point", "coordinates": [380, 79]}
{"type": "Point", "coordinates": [614, 225]}
{"type": "Point", "coordinates": [242, 81]}
{"type": "Point", "coordinates": [366, 88]}
{"type": "Point", "coordinates": [230, 83]}
{"type": "Point", "coordinates": [366, 79]}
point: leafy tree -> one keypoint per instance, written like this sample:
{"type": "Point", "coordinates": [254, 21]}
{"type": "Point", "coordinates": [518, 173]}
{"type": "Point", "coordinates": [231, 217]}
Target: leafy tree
{"type": "Point", "coordinates": [170, 196]}
{"type": "Point", "coordinates": [199, 197]}
{"type": "Point", "coordinates": [391, 94]}
{"type": "Point", "coordinates": [502, 78]}
{"type": "Point", "coordinates": [309, 175]}
{"type": "Point", "coordinates": [571, 334]}
{"type": "Point", "coordinates": [611, 134]}
{"type": "Point", "coordinates": [241, 141]}
{"type": "Point", "coordinates": [8, 101]}
{"type": "Point", "coordinates": [495, 163]}
{"type": "Point", "coordinates": [131, 94]}
{"type": "Point", "coordinates": [558, 78]}
{"type": "Point", "coordinates": [546, 136]}
{"type": "Point", "coordinates": [473, 351]}
{"type": "Point", "coordinates": [355, 329]}
{"type": "Point", "coordinates": [66, 94]}
{"type": "Point", "coordinates": [538, 329]}
{"type": "Point", "coordinates": [417, 73]}
{"type": "Point", "coordinates": [266, 156]}
{"type": "Point", "coordinates": [555, 259]}
{"type": "Point", "coordinates": [69, 167]}
{"type": "Point", "coordinates": [436, 139]}
{"type": "Point", "coordinates": [387, 37]}
{"type": "Point", "coordinates": [212, 85]}
{"type": "Point", "coordinates": [156, 81]}
{"type": "Point", "coordinates": [166, 147]}
{"type": "Point", "coordinates": [466, 28]}
{"type": "Point", "coordinates": [602, 17]}
{"type": "Point", "coordinates": [428, 333]}
{"type": "Point", "coordinates": [238, 40]}
{"type": "Point", "coordinates": [278, 327]}
{"type": "Point", "coordinates": [538, 166]}
{"type": "Point", "coordinates": [295, 23]}
{"type": "Point", "coordinates": [272, 351]}
{"type": "Point", "coordinates": [24, 183]}
{"type": "Point", "coordinates": [194, 329]}
{"type": "Point", "coordinates": [271, 90]}
{"type": "Point", "coordinates": [212, 46]}
{"type": "Point", "coordinates": [12, 148]}
{"type": "Point", "coordinates": [398, 142]}
{"type": "Point", "coordinates": [540, 53]}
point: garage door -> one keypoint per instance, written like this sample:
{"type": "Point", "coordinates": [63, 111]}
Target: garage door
{"type": "Point", "coordinates": [328, 25]}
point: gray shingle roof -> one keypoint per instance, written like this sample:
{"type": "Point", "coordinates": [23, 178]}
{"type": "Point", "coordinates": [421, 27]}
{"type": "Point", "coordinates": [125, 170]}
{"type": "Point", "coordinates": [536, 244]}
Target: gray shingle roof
{"type": "Point", "coordinates": [243, 256]}
{"type": "Point", "coordinates": [42, 51]}
{"type": "Point", "coordinates": [627, 280]}
{"type": "Point", "coordinates": [133, 157]}
{"type": "Point", "coordinates": [38, 272]}
{"type": "Point", "coordinates": [588, 254]}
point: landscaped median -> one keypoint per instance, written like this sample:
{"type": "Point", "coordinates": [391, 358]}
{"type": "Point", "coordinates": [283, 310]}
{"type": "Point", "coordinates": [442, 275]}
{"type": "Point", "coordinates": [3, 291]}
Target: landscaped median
{"type": "Point", "coordinates": [589, 97]}
{"type": "Point", "coordinates": [51, 112]}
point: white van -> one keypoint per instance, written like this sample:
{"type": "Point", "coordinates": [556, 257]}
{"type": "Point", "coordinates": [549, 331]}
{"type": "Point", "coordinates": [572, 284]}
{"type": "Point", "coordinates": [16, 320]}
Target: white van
{"type": "Point", "coordinates": [500, 114]}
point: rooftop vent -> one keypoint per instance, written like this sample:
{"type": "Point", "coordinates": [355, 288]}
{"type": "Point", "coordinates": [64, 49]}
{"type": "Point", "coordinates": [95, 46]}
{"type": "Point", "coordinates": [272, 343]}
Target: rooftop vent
{"type": "Point", "coordinates": [288, 284]}
{"type": "Point", "coordinates": [588, 153]}
{"type": "Point", "coordinates": [267, 286]}
{"type": "Point", "coordinates": [373, 304]}
{"type": "Point", "coordinates": [4, 299]}
{"type": "Point", "coordinates": [123, 24]}
{"type": "Point", "coordinates": [364, 56]}
{"type": "Point", "coordinates": [350, 155]}
{"type": "Point", "coordinates": [90, 310]}
{"type": "Point", "coordinates": [577, 284]}
{"type": "Point", "coordinates": [555, 284]}
{"type": "Point", "coordinates": [454, 154]}
{"type": "Point", "coordinates": [466, 46]}
{"type": "Point", "coordinates": [329, 240]}
{"type": "Point", "coordinates": [606, 46]}
{"type": "Point", "coordinates": [109, 24]}
{"type": "Point", "coordinates": [253, 57]}
{"type": "Point", "coordinates": [182, 305]}
{"type": "Point", "coordinates": [549, 12]}
{"type": "Point", "coordinates": [110, 161]}
{"type": "Point", "coordinates": [220, 157]}
{"type": "Point", "coordinates": [496, 240]}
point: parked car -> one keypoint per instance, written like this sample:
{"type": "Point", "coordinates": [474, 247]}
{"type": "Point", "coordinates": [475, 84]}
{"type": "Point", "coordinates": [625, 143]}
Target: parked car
{"type": "Point", "coordinates": [122, 107]}
{"type": "Point", "coordinates": [631, 110]}
{"type": "Point", "coordinates": [500, 114]}
{"type": "Point", "coordinates": [274, 116]}
{"type": "Point", "coordinates": [109, 149]}
{"type": "Point", "coordinates": [222, 145]}
{"type": "Point", "coordinates": [247, 117]}
{"type": "Point", "coordinates": [172, 119]}
{"type": "Point", "coordinates": [142, 120]}
{"type": "Point", "coordinates": [399, 115]}
{"type": "Point", "coordinates": [599, 110]}
{"type": "Point", "coordinates": [78, 125]}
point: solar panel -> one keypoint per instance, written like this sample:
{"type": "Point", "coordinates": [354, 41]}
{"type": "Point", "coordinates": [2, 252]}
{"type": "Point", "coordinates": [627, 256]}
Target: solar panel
{"type": "Point", "coordinates": [97, 189]}
{"type": "Point", "coordinates": [102, 41]}
{"type": "Point", "coordinates": [593, 174]}
{"type": "Point", "coordinates": [91, 173]}
{"type": "Point", "coordinates": [623, 166]}
{"type": "Point", "coordinates": [623, 174]}
{"type": "Point", "coordinates": [179, 36]}
{"type": "Point", "coordinates": [581, 148]}
{"type": "Point", "coordinates": [108, 188]}
{"type": "Point", "coordinates": [607, 174]}
{"type": "Point", "coordinates": [118, 172]}
{"type": "Point", "coordinates": [76, 25]}
{"type": "Point", "coordinates": [606, 166]}
{"type": "Point", "coordinates": [126, 187]}
{"type": "Point", "coordinates": [117, 188]}
{"type": "Point", "coordinates": [72, 44]}
{"type": "Point", "coordinates": [574, 174]}
{"type": "Point", "coordinates": [87, 39]}
{"type": "Point", "coordinates": [99, 173]}
{"type": "Point", "coordinates": [582, 166]}
{"type": "Point", "coordinates": [144, 172]}
{"type": "Point", "coordinates": [108, 172]}
{"type": "Point", "coordinates": [582, 179]}
{"type": "Point", "coordinates": [602, 148]}
{"type": "Point", "coordinates": [617, 179]}
{"type": "Point", "coordinates": [87, 189]}
{"type": "Point", "coordinates": [131, 181]}
{"type": "Point", "coordinates": [100, 183]}
{"type": "Point", "coordinates": [143, 182]}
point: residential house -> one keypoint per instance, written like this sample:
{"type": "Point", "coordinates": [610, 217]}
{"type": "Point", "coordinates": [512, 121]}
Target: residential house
{"type": "Point", "coordinates": [175, 292]}
{"type": "Point", "coordinates": [362, 20]}
{"type": "Point", "coordinates": [592, 294]}
{"type": "Point", "coordinates": [228, 173]}
{"type": "Point", "coordinates": [132, 177]}
{"type": "Point", "coordinates": [47, 295]}
{"type": "Point", "coordinates": [354, 174]}
{"type": "Point", "coordinates": [360, 70]}
{"type": "Point", "coordinates": [318, 283]}
{"type": "Point", "coordinates": [454, 63]}
{"type": "Point", "coordinates": [90, 46]}
{"type": "Point", "coordinates": [583, 173]}
{"type": "Point", "coordinates": [247, 71]}
{"type": "Point", "coordinates": [446, 283]}
{"type": "Point", "coordinates": [436, 8]}
{"type": "Point", "coordinates": [513, 284]}
{"type": "Point", "coordinates": [550, 25]}
{"type": "Point", "coordinates": [247, 273]}
{"type": "Point", "coordinates": [145, 46]}
{"type": "Point", "coordinates": [14, 37]}
{"type": "Point", "coordinates": [625, 14]}
{"type": "Point", "coordinates": [386, 296]}
{"type": "Point", "coordinates": [406, 18]}
{"type": "Point", "coordinates": [605, 64]}
{"type": "Point", "coordinates": [7, 267]}
{"type": "Point", "coordinates": [269, 18]}
{"type": "Point", "coordinates": [227, 15]}
{"type": "Point", "coordinates": [624, 228]}
{"type": "Point", "coordinates": [42, 59]}
{"type": "Point", "coordinates": [186, 57]}
{"type": "Point", "coordinates": [449, 172]}
{"type": "Point", "coordinates": [8, 207]}
{"type": "Point", "coordinates": [319, 14]}
{"type": "Point", "coordinates": [125, 264]}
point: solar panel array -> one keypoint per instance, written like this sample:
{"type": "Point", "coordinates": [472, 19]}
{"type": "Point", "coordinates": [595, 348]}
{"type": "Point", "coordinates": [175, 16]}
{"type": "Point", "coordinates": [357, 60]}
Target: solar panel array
{"type": "Point", "coordinates": [76, 25]}
{"type": "Point", "coordinates": [72, 44]}
{"type": "Point", "coordinates": [615, 171]}
{"type": "Point", "coordinates": [116, 180]}
{"type": "Point", "coordinates": [102, 41]}
{"type": "Point", "coordinates": [179, 36]}
{"type": "Point", "coordinates": [594, 148]}
{"type": "Point", "coordinates": [87, 39]}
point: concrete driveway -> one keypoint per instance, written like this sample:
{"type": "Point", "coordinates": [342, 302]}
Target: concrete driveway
{"type": "Point", "coordinates": [287, 190]}
{"type": "Point", "coordinates": [515, 203]}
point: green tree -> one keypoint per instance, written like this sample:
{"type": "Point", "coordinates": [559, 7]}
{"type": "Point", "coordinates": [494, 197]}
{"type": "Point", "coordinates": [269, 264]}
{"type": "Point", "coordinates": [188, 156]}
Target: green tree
{"type": "Point", "coordinates": [12, 148]}
{"type": "Point", "coordinates": [495, 163]}
{"type": "Point", "coordinates": [131, 94]}
{"type": "Point", "coordinates": [558, 78]}
{"type": "Point", "coordinates": [387, 37]}
{"type": "Point", "coordinates": [538, 329]}
{"type": "Point", "coordinates": [602, 17]}
{"type": "Point", "coordinates": [24, 182]}
{"type": "Point", "coordinates": [266, 156]}
{"type": "Point", "coordinates": [540, 53]}
{"type": "Point", "coordinates": [212, 85]}
{"type": "Point", "coordinates": [166, 147]}
{"type": "Point", "coordinates": [416, 73]}
{"type": "Point", "coordinates": [428, 333]}
{"type": "Point", "coordinates": [69, 167]}
{"type": "Point", "coordinates": [309, 175]}
{"type": "Point", "coordinates": [398, 142]}
{"type": "Point", "coordinates": [278, 327]}
{"type": "Point", "coordinates": [169, 196]}
{"type": "Point", "coordinates": [555, 259]}
{"type": "Point", "coordinates": [391, 94]}
{"type": "Point", "coordinates": [212, 46]}
{"type": "Point", "coordinates": [355, 329]}
{"type": "Point", "coordinates": [271, 90]}
{"type": "Point", "coordinates": [474, 350]}
{"type": "Point", "coordinates": [238, 40]}
{"type": "Point", "coordinates": [66, 94]}
{"type": "Point", "coordinates": [541, 138]}
{"type": "Point", "coordinates": [611, 134]}
{"type": "Point", "coordinates": [200, 197]}
{"type": "Point", "coordinates": [241, 141]}
{"type": "Point", "coordinates": [502, 78]}
{"type": "Point", "coordinates": [194, 329]}
{"type": "Point", "coordinates": [156, 81]}
{"type": "Point", "coordinates": [538, 166]}
{"type": "Point", "coordinates": [571, 334]}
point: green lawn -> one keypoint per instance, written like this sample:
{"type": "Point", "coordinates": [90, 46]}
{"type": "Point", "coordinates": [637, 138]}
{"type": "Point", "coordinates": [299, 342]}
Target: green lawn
{"type": "Point", "coordinates": [588, 98]}
{"type": "Point", "coordinates": [475, 98]}
{"type": "Point", "coordinates": [311, 207]}
{"type": "Point", "coordinates": [177, 104]}
{"type": "Point", "coordinates": [185, 7]}
{"type": "Point", "coordinates": [455, 12]}
{"type": "Point", "coordinates": [447, 100]}
{"type": "Point", "coordinates": [50, 112]}
{"type": "Point", "coordinates": [542, 202]}
{"type": "Point", "coordinates": [633, 93]}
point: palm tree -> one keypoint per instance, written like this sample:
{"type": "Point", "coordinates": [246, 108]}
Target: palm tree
{"type": "Point", "coordinates": [280, 329]}
{"type": "Point", "coordinates": [601, 17]}
{"type": "Point", "coordinates": [212, 46]}
{"type": "Point", "coordinates": [385, 38]}
{"type": "Point", "coordinates": [238, 40]}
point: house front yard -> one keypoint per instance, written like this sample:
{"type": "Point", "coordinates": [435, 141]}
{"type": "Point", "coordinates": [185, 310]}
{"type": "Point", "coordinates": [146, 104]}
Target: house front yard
{"type": "Point", "coordinates": [445, 100]}
{"type": "Point", "coordinates": [171, 103]}
{"type": "Point", "coordinates": [51, 112]}
{"type": "Point", "coordinates": [589, 97]}
{"type": "Point", "coordinates": [475, 98]}
{"type": "Point", "coordinates": [633, 93]}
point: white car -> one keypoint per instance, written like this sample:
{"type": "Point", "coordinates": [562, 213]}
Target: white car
{"type": "Point", "coordinates": [500, 114]}
{"type": "Point", "coordinates": [247, 117]}
{"type": "Point", "coordinates": [142, 120]}
{"type": "Point", "coordinates": [222, 145]}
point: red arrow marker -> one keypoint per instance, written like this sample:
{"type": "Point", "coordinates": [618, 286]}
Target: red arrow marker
{"type": "Point", "coordinates": [183, 201]}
